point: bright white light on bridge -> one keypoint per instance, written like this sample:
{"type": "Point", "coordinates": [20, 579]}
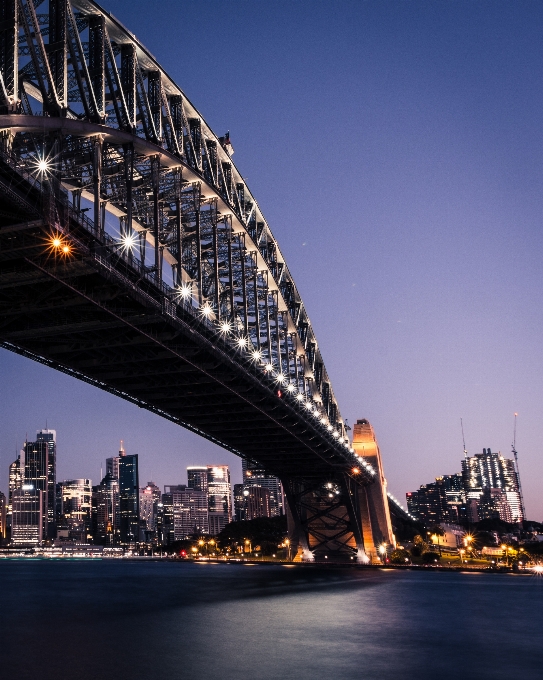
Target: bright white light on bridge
{"type": "Point", "coordinates": [257, 355]}
{"type": "Point", "coordinates": [269, 368]}
{"type": "Point", "coordinates": [280, 377]}
{"type": "Point", "coordinates": [300, 397]}
{"type": "Point", "coordinates": [290, 388]}
{"type": "Point", "coordinates": [226, 327]}
{"type": "Point", "coordinates": [184, 291]}
{"type": "Point", "coordinates": [242, 342]}
{"type": "Point", "coordinates": [42, 165]}
{"type": "Point", "coordinates": [352, 451]}
{"type": "Point", "coordinates": [329, 428]}
{"type": "Point", "coordinates": [206, 310]}
{"type": "Point", "coordinates": [335, 434]}
{"type": "Point", "coordinates": [128, 241]}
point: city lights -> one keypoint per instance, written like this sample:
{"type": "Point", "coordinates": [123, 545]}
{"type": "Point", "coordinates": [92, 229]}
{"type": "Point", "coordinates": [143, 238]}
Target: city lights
{"type": "Point", "coordinates": [226, 327]}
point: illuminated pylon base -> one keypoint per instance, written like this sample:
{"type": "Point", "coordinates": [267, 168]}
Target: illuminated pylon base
{"type": "Point", "coordinates": [338, 519]}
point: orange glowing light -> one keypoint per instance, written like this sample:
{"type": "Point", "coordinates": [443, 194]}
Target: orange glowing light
{"type": "Point", "coordinates": [356, 471]}
{"type": "Point", "coordinates": [57, 242]}
{"type": "Point", "coordinates": [66, 249]}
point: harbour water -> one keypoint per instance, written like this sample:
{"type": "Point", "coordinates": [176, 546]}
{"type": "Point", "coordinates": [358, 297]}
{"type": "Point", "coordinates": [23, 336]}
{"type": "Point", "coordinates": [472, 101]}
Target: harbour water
{"type": "Point", "coordinates": [130, 620]}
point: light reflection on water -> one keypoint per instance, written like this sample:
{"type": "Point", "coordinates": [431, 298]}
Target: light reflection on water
{"type": "Point", "coordinates": [151, 621]}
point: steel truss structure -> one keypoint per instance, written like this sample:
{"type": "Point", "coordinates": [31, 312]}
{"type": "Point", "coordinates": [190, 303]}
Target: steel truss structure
{"type": "Point", "coordinates": [170, 289]}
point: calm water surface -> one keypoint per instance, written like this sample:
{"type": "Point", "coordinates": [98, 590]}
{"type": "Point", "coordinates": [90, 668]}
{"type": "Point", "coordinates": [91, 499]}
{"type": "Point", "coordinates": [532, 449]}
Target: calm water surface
{"type": "Point", "coordinates": [123, 620]}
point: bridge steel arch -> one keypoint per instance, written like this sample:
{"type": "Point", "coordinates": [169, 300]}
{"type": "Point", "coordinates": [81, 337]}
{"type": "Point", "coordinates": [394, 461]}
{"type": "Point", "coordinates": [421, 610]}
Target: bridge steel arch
{"type": "Point", "coordinates": [134, 257]}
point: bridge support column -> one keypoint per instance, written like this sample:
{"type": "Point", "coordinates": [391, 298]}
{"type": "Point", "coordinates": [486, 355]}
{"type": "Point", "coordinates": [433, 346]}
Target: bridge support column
{"type": "Point", "coordinates": [321, 523]}
{"type": "Point", "coordinates": [373, 499]}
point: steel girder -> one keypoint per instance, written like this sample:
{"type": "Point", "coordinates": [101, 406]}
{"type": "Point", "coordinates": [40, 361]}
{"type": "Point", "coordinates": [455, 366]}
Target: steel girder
{"type": "Point", "coordinates": [79, 89]}
{"type": "Point", "coordinates": [175, 294]}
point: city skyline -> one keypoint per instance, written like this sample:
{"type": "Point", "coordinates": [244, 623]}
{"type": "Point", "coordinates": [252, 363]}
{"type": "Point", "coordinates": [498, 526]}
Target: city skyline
{"type": "Point", "coordinates": [414, 235]}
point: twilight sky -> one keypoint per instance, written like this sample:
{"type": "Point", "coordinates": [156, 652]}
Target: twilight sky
{"type": "Point", "coordinates": [395, 148]}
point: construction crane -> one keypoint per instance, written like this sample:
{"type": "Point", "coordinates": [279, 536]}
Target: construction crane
{"type": "Point", "coordinates": [515, 455]}
{"type": "Point", "coordinates": [463, 439]}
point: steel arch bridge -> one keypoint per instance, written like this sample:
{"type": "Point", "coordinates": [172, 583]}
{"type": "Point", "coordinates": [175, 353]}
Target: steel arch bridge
{"type": "Point", "coordinates": [133, 256]}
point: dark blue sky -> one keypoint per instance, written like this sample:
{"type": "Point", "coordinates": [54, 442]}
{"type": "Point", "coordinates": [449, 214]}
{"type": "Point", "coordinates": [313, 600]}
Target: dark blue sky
{"type": "Point", "coordinates": [396, 150]}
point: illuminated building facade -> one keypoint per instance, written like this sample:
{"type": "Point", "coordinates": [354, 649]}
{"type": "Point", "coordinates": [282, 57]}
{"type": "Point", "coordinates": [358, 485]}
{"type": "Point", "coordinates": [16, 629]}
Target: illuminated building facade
{"type": "Point", "coordinates": [219, 493]}
{"type": "Point", "coordinates": [492, 481]}
{"type": "Point", "coordinates": [187, 512]}
{"type": "Point", "coordinates": [75, 497]}
{"type": "Point", "coordinates": [28, 516]}
{"type": "Point", "coordinates": [253, 474]}
{"type": "Point", "coordinates": [106, 519]}
{"type": "Point", "coordinates": [150, 497]}
{"type": "Point", "coordinates": [253, 503]}
{"type": "Point", "coordinates": [48, 439]}
{"type": "Point", "coordinates": [129, 496]}
{"type": "Point", "coordinates": [197, 477]}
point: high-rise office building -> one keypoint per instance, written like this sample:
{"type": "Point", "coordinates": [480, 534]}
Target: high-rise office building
{"type": "Point", "coordinates": [197, 477]}
{"type": "Point", "coordinates": [129, 497]}
{"type": "Point", "coordinates": [112, 465]}
{"type": "Point", "coordinates": [105, 512]}
{"type": "Point", "coordinates": [219, 493]}
{"type": "Point", "coordinates": [15, 482]}
{"type": "Point", "coordinates": [254, 474]}
{"type": "Point", "coordinates": [251, 502]}
{"type": "Point", "coordinates": [150, 497]}
{"type": "Point", "coordinates": [187, 512]}
{"type": "Point", "coordinates": [37, 468]}
{"type": "Point", "coordinates": [75, 507]}
{"type": "Point", "coordinates": [49, 439]}
{"type": "Point", "coordinates": [491, 471]}
{"type": "Point", "coordinates": [28, 516]}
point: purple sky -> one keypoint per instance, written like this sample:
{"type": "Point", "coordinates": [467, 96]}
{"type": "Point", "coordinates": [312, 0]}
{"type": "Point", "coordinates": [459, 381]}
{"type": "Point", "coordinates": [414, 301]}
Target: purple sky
{"type": "Point", "coordinates": [396, 151]}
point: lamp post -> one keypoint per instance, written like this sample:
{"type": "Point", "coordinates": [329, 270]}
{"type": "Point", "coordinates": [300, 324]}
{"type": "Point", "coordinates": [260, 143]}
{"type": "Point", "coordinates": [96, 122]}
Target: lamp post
{"type": "Point", "coordinates": [287, 543]}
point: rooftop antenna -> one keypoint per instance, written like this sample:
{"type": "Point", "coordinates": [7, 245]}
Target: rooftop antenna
{"type": "Point", "coordinates": [463, 439]}
{"type": "Point", "coordinates": [514, 450]}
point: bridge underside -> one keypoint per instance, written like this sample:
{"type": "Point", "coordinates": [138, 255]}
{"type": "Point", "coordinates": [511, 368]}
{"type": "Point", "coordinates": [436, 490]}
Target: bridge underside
{"type": "Point", "coordinates": [92, 315]}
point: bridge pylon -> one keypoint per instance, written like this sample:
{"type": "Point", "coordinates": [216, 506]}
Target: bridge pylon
{"type": "Point", "coordinates": [337, 519]}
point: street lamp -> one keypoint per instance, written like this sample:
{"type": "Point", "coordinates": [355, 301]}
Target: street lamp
{"type": "Point", "coordinates": [287, 543]}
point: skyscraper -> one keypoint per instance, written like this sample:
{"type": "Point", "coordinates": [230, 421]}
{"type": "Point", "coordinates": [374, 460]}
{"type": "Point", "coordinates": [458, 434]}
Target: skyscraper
{"type": "Point", "coordinates": [219, 493]}
{"type": "Point", "coordinates": [197, 477]}
{"type": "Point", "coordinates": [251, 501]}
{"type": "Point", "coordinates": [28, 516]}
{"type": "Point", "coordinates": [49, 439]}
{"type": "Point", "coordinates": [105, 512]}
{"type": "Point", "coordinates": [188, 515]}
{"type": "Point", "coordinates": [129, 497]}
{"type": "Point", "coordinates": [254, 474]}
{"type": "Point", "coordinates": [490, 470]}
{"type": "Point", "coordinates": [149, 499]}
{"type": "Point", "coordinates": [75, 507]}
